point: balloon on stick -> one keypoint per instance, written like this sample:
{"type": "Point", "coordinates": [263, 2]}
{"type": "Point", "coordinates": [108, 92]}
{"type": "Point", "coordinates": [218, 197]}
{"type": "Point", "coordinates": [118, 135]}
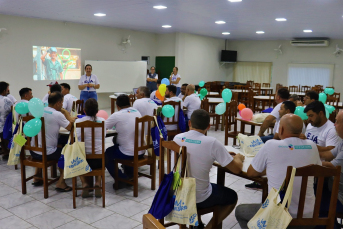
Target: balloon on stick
{"type": "Point", "coordinates": [22, 108]}
{"type": "Point", "coordinates": [168, 111]}
{"type": "Point", "coordinates": [165, 81]}
{"type": "Point", "coordinates": [102, 114]}
{"type": "Point", "coordinates": [247, 114]}
{"type": "Point", "coordinates": [159, 96]}
{"type": "Point", "coordinates": [32, 127]}
{"type": "Point", "coordinates": [299, 110]}
{"type": "Point", "coordinates": [162, 89]}
{"type": "Point", "coordinates": [203, 92]}
{"type": "Point", "coordinates": [227, 95]}
{"type": "Point", "coordinates": [220, 108]}
{"type": "Point", "coordinates": [322, 97]}
{"type": "Point", "coordinates": [36, 107]}
{"type": "Point", "coordinates": [241, 106]}
{"type": "Point", "coordinates": [201, 83]}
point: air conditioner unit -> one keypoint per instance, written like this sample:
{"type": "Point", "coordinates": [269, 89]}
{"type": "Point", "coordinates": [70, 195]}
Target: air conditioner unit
{"type": "Point", "coordinates": [316, 42]}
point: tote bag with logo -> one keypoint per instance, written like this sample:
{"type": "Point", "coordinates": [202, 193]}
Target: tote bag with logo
{"type": "Point", "coordinates": [75, 163]}
{"type": "Point", "coordinates": [250, 144]}
{"type": "Point", "coordinates": [274, 215]}
{"type": "Point", "coordinates": [17, 142]}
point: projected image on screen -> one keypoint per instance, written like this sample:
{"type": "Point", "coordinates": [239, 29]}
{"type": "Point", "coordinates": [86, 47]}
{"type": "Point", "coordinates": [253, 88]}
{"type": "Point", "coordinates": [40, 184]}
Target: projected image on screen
{"type": "Point", "coordinates": [56, 63]}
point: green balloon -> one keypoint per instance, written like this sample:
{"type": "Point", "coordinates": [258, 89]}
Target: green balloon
{"type": "Point", "coordinates": [202, 97]}
{"type": "Point", "coordinates": [322, 97]}
{"type": "Point", "coordinates": [36, 107]}
{"type": "Point", "coordinates": [329, 108]}
{"type": "Point", "coordinates": [300, 112]}
{"type": "Point", "coordinates": [331, 91]}
{"type": "Point", "coordinates": [227, 95]}
{"type": "Point", "coordinates": [203, 92]}
{"type": "Point", "coordinates": [22, 108]}
{"type": "Point", "coordinates": [221, 108]}
{"type": "Point", "coordinates": [201, 83]}
{"type": "Point", "coordinates": [32, 127]}
{"type": "Point", "coordinates": [327, 113]}
{"type": "Point", "coordinates": [168, 111]}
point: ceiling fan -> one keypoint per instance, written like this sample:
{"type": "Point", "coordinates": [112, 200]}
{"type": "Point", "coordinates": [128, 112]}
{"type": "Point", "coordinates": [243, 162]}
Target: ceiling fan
{"type": "Point", "coordinates": [126, 41]}
{"type": "Point", "coordinates": [338, 51]}
{"type": "Point", "coordinates": [278, 49]}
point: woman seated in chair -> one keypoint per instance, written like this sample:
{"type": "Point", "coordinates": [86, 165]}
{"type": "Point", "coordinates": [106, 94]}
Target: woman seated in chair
{"type": "Point", "coordinates": [91, 109]}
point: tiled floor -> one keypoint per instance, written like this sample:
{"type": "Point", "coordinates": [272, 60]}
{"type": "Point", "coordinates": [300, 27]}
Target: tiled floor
{"type": "Point", "coordinates": [122, 209]}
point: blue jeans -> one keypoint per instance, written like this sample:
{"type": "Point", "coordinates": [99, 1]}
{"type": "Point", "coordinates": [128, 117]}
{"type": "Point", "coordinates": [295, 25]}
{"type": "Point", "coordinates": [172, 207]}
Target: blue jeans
{"type": "Point", "coordinates": [113, 153]}
{"type": "Point", "coordinates": [266, 138]}
{"type": "Point", "coordinates": [178, 91]}
{"type": "Point", "coordinates": [220, 196]}
{"type": "Point", "coordinates": [87, 95]}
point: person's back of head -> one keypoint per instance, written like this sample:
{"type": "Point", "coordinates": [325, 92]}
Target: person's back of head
{"type": "Point", "coordinates": [55, 97]}
{"type": "Point", "coordinates": [144, 91]}
{"type": "Point", "coordinates": [24, 91]}
{"type": "Point", "coordinates": [283, 93]}
{"type": "Point", "coordinates": [55, 88]}
{"type": "Point", "coordinates": [3, 87]}
{"type": "Point", "coordinates": [290, 126]}
{"type": "Point", "coordinates": [185, 85]}
{"type": "Point", "coordinates": [294, 97]}
{"type": "Point", "coordinates": [191, 89]}
{"type": "Point", "coordinates": [123, 101]}
{"type": "Point", "coordinates": [91, 108]}
{"type": "Point", "coordinates": [289, 105]}
{"type": "Point", "coordinates": [172, 89]}
{"type": "Point", "coordinates": [312, 95]}
{"type": "Point", "coordinates": [200, 120]}
{"type": "Point", "coordinates": [65, 88]}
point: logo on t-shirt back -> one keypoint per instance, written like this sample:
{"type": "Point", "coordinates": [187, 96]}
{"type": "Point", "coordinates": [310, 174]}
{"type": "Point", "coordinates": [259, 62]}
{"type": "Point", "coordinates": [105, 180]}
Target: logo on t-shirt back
{"type": "Point", "coordinates": [291, 147]}
{"type": "Point", "coordinates": [184, 139]}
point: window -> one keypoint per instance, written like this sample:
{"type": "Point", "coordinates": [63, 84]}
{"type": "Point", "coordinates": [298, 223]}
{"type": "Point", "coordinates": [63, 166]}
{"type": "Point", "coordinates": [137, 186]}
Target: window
{"type": "Point", "coordinates": [259, 72]}
{"type": "Point", "coordinates": [310, 74]}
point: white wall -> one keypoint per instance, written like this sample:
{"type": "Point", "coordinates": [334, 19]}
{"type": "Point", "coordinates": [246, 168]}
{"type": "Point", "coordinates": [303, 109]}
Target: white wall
{"type": "Point", "coordinates": [165, 44]}
{"type": "Point", "coordinates": [263, 51]}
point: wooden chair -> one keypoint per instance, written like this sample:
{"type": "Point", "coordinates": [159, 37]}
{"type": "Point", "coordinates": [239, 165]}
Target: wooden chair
{"type": "Point", "coordinates": [265, 84]}
{"type": "Point", "coordinates": [132, 99]}
{"type": "Point", "coordinates": [230, 119]}
{"type": "Point", "coordinates": [235, 96]}
{"type": "Point", "coordinates": [237, 86]}
{"type": "Point", "coordinates": [206, 106]}
{"type": "Point", "coordinates": [142, 142]}
{"type": "Point", "coordinates": [44, 164]}
{"type": "Point", "coordinates": [150, 222]}
{"type": "Point", "coordinates": [250, 83]}
{"type": "Point", "coordinates": [208, 87]}
{"type": "Point", "coordinates": [305, 88]}
{"type": "Point", "coordinates": [333, 101]}
{"type": "Point", "coordinates": [173, 120]}
{"type": "Point", "coordinates": [90, 127]}
{"type": "Point", "coordinates": [319, 86]}
{"type": "Point", "coordinates": [79, 106]}
{"type": "Point", "coordinates": [226, 85]}
{"type": "Point", "coordinates": [257, 88]}
{"type": "Point", "coordinates": [293, 89]}
{"type": "Point", "coordinates": [244, 95]}
{"type": "Point", "coordinates": [320, 173]}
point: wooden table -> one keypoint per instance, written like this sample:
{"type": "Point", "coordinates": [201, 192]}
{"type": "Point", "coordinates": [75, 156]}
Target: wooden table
{"type": "Point", "coordinates": [113, 101]}
{"type": "Point", "coordinates": [213, 94]}
{"type": "Point", "coordinates": [251, 123]}
{"type": "Point", "coordinates": [222, 170]}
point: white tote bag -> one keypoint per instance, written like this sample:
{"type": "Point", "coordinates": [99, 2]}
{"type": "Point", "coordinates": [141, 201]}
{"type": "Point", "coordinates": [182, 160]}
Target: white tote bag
{"type": "Point", "coordinates": [185, 210]}
{"type": "Point", "coordinates": [250, 144]}
{"type": "Point", "coordinates": [75, 163]}
{"type": "Point", "coordinates": [274, 215]}
{"type": "Point", "coordinates": [17, 143]}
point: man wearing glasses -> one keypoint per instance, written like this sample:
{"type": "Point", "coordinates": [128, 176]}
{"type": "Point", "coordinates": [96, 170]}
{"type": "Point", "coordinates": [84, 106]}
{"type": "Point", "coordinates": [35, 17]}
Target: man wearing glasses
{"type": "Point", "coordinates": [151, 79]}
{"type": "Point", "coordinates": [310, 97]}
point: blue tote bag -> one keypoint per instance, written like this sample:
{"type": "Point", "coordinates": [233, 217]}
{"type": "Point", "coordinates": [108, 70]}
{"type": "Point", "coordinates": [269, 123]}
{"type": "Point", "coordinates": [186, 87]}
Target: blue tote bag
{"type": "Point", "coordinates": [7, 130]}
{"type": "Point", "coordinates": [182, 121]}
{"type": "Point", "coordinates": [162, 127]}
{"type": "Point", "coordinates": [156, 135]}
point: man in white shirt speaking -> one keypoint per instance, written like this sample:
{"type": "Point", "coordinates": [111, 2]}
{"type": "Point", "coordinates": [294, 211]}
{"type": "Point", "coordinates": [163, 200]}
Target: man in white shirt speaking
{"type": "Point", "coordinates": [202, 151]}
{"type": "Point", "coordinates": [143, 103]}
{"type": "Point", "coordinates": [68, 98]}
{"type": "Point", "coordinates": [274, 158]}
{"type": "Point", "coordinates": [124, 122]}
{"type": "Point", "coordinates": [191, 101]}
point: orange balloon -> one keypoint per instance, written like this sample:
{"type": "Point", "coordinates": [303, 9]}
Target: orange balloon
{"type": "Point", "coordinates": [241, 106]}
{"type": "Point", "coordinates": [159, 96]}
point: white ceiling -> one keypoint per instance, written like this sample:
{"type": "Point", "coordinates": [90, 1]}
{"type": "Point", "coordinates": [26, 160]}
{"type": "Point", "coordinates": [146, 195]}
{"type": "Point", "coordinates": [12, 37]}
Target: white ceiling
{"type": "Point", "coordinates": [243, 19]}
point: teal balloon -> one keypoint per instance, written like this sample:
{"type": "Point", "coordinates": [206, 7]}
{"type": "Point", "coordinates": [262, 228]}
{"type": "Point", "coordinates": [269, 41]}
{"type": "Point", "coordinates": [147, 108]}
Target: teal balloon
{"type": "Point", "coordinates": [202, 97]}
{"type": "Point", "coordinates": [32, 127]}
{"type": "Point", "coordinates": [300, 112]}
{"type": "Point", "coordinates": [168, 111]}
{"type": "Point", "coordinates": [322, 97]}
{"type": "Point", "coordinates": [227, 95]}
{"type": "Point", "coordinates": [36, 107]}
{"type": "Point", "coordinates": [327, 113]}
{"type": "Point", "coordinates": [331, 91]}
{"type": "Point", "coordinates": [203, 92]}
{"type": "Point", "coordinates": [22, 108]}
{"type": "Point", "coordinates": [165, 81]}
{"type": "Point", "coordinates": [329, 108]}
{"type": "Point", "coordinates": [221, 108]}
{"type": "Point", "coordinates": [201, 83]}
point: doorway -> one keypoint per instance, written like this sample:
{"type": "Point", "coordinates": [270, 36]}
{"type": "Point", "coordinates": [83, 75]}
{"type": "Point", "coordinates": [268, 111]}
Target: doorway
{"type": "Point", "coordinates": [164, 66]}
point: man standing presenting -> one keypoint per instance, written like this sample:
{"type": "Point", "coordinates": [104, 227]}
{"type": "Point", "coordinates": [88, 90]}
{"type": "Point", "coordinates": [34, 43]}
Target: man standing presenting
{"type": "Point", "coordinates": [151, 80]}
{"type": "Point", "coordinates": [53, 67]}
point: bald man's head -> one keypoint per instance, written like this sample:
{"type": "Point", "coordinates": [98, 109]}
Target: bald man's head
{"type": "Point", "coordinates": [290, 126]}
{"type": "Point", "coordinates": [339, 124]}
{"type": "Point", "coordinates": [190, 89]}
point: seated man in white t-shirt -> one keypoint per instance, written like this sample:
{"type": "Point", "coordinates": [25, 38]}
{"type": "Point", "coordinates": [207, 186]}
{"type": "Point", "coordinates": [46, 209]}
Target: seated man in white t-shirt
{"type": "Point", "coordinates": [91, 109]}
{"type": "Point", "coordinates": [53, 88]}
{"type": "Point", "coordinates": [191, 101]}
{"type": "Point", "coordinates": [124, 122]}
{"type": "Point", "coordinates": [320, 130]}
{"type": "Point", "coordinates": [54, 119]}
{"type": "Point", "coordinates": [202, 151]}
{"type": "Point", "coordinates": [68, 98]}
{"type": "Point", "coordinates": [274, 158]}
{"type": "Point", "coordinates": [183, 91]}
{"type": "Point", "coordinates": [281, 96]}
{"type": "Point", "coordinates": [143, 103]}
{"type": "Point", "coordinates": [25, 95]}
{"type": "Point", "coordinates": [171, 96]}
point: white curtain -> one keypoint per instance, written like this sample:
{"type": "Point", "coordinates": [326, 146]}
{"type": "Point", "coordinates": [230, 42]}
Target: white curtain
{"type": "Point", "coordinates": [259, 72]}
{"type": "Point", "coordinates": [310, 74]}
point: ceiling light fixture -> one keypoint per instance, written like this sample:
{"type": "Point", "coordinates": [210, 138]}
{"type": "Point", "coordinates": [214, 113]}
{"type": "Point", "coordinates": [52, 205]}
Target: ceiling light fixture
{"type": "Point", "coordinates": [100, 15]}
{"type": "Point", "coordinates": [260, 32]}
{"type": "Point", "coordinates": [220, 22]}
{"type": "Point", "coordinates": [166, 26]}
{"type": "Point", "coordinates": [307, 31]}
{"type": "Point", "coordinates": [160, 7]}
{"type": "Point", "coordinates": [280, 19]}
{"type": "Point", "coordinates": [235, 0]}
{"type": "Point", "coordinates": [225, 33]}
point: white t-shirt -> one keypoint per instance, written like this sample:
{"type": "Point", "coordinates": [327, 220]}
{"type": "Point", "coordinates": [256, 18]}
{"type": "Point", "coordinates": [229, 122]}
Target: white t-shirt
{"type": "Point", "coordinates": [338, 161]}
{"type": "Point", "coordinates": [53, 120]}
{"type": "Point", "coordinates": [5, 109]}
{"type": "Point", "coordinates": [175, 99]}
{"type": "Point", "coordinates": [153, 96]}
{"type": "Point", "coordinates": [45, 99]}
{"type": "Point", "coordinates": [88, 135]}
{"type": "Point", "coordinates": [156, 77]}
{"type": "Point", "coordinates": [180, 96]}
{"type": "Point", "coordinates": [323, 136]}
{"type": "Point", "coordinates": [89, 79]}
{"type": "Point", "coordinates": [124, 123]}
{"type": "Point", "coordinates": [192, 102]}
{"type": "Point", "coordinates": [277, 155]}
{"type": "Point", "coordinates": [174, 78]}
{"type": "Point", "coordinates": [11, 97]}
{"type": "Point", "coordinates": [145, 106]}
{"type": "Point", "coordinates": [276, 114]}
{"type": "Point", "coordinates": [68, 102]}
{"type": "Point", "coordinates": [202, 151]}
{"type": "Point", "coordinates": [16, 114]}
{"type": "Point", "coordinates": [277, 125]}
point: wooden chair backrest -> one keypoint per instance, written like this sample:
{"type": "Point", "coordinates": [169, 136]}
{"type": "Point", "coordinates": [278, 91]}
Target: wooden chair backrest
{"type": "Point", "coordinates": [235, 96]}
{"type": "Point", "coordinates": [205, 105]}
{"type": "Point", "coordinates": [265, 84]}
{"type": "Point", "coordinates": [293, 88]}
{"type": "Point", "coordinates": [231, 114]}
{"type": "Point", "coordinates": [79, 106]}
{"type": "Point", "coordinates": [237, 86]}
{"type": "Point", "coordinates": [277, 87]}
{"type": "Point", "coordinates": [166, 149]}
{"type": "Point", "coordinates": [257, 85]}
{"type": "Point", "coordinates": [320, 173]}
{"type": "Point", "coordinates": [305, 88]}
{"type": "Point", "coordinates": [333, 101]}
{"type": "Point", "coordinates": [173, 120]}
{"type": "Point", "coordinates": [208, 87]}
{"type": "Point", "coordinates": [337, 95]}
{"type": "Point", "coordinates": [132, 99]}
{"type": "Point", "coordinates": [150, 222]}
{"type": "Point", "coordinates": [319, 86]}
{"type": "Point", "coordinates": [143, 139]}
{"type": "Point", "coordinates": [227, 85]}
{"type": "Point", "coordinates": [250, 82]}
{"type": "Point", "coordinates": [89, 126]}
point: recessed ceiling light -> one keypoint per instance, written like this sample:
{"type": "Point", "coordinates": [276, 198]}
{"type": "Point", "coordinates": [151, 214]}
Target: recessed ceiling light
{"type": "Point", "coordinates": [225, 33]}
{"type": "Point", "coordinates": [260, 32]}
{"type": "Point", "coordinates": [166, 26]}
{"type": "Point", "coordinates": [220, 22]}
{"type": "Point", "coordinates": [235, 0]}
{"type": "Point", "coordinates": [100, 15]}
{"type": "Point", "coordinates": [280, 19]}
{"type": "Point", "coordinates": [307, 31]}
{"type": "Point", "coordinates": [160, 7]}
